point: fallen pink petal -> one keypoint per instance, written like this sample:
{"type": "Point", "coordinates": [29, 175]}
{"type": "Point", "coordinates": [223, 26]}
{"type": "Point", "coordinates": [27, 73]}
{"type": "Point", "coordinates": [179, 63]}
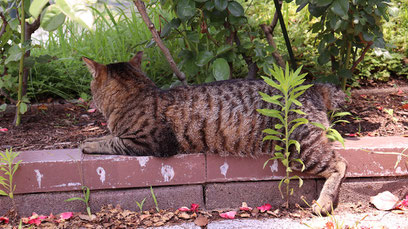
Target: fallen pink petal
{"type": "Point", "coordinates": [4, 220]}
{"type": "Point", "coordinates": [265, 207]}
{"type": "Point", "coordinates": [66, 215]}
{"type": "Point", "coordinates": [184, 209]}
{"type": "Point", "coordinates": [228, 215]}
{"type": "Point", "coordinates": [3, 130]}
{"type": "Point", "coordinates": [194, 207]}
{"type": "Point", "coordinates": [91, 110]}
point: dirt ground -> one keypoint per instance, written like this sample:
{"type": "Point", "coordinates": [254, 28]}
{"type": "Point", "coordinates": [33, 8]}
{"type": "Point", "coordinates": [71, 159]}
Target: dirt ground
{"type": "Point", "coordinates": [377, 110]}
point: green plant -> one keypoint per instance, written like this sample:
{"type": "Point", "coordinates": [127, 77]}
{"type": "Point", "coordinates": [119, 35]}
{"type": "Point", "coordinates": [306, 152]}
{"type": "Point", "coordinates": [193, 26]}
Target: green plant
{"type": "Point", "coordinates": [390, 113]}
{"type": "Point", "coordinates": [86, 194]}
{"type": "Point", "coordinates": [289, 83]}
{"type": "Point", "coordinates": [9, 167]}
{"type": "Point", "coordinates": [344, 28]}
{"type": "Point", "coordinates": [15, 17]}
{"type": "Point", "coordinates": [140, 205]}
{"type": "Point", "coordinates": [154, 199]}
{"type": "Point", "coordinates": [331, 133]}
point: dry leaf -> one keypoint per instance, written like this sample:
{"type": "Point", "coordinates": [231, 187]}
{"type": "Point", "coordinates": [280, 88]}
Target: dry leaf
{"type": "Point", "coordinates": [184, 215]}
{"type": "Point", "coordinates": [245, 215]}
{"type": "Point", "coordinates": [384, 200]}
{"type": "Point", "coordinates": [201, 221]}
{"type": "Point", "coordinates": [86, 217]}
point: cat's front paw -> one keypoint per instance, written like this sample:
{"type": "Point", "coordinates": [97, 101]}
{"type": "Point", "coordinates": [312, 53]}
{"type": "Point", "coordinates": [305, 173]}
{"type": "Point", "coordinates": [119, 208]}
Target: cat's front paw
{"type": "Point", "coordinates": [90, 147]}
{"type": "Point", "coordinates": [322, 207]}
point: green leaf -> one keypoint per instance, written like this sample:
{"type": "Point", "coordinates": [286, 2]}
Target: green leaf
{"type": "Point", "coordinates": [296, 143]}
{"type": "Point", "coordinates": [340, 114]}
{"type": "Point", "coordinates": [271, 99]}
{"type": "Point", "coordinates": [297, 177]}
{"type": "Point", "coordinates": [204, 57]}
{"type": "Point", "coordinates": [302, 88]}
{"type": "Point", "coordinates": [266, 162]}
{"type": "Point", "coordinates": [209, 5]}
{"type": "Point", "coordinates": [345, 74]}
{"type": "Point", "coordinates": [36, 7]}
{"type": "Point", "coordinates": [173, 24]}
{"type": "Point", "coordinates": [74, 198]}
{"type": "Point", "coordinates": [23, 108]}
{"type": "Point", "coordinates": [221, 5]}
{"type": "Point", "coordinates": [340, 7]}
{"type": "Point", "coordinates": [321, 126]}
{"type": "Point", "coordinates": [3, 193]}
{"type": "Point", "coordinates": [297, 111]}
{"type": "Point", "coordinates": [301, 162]}
{"type": "Point", "coordinates": [186, 9]}
{"type": "Point", "coordinates": [14, 54]}
{"type": "Point", "coordinates": [271, 131]}
{"type": "Point", "coordinates": [271, 137]}
{"type": "Point", "coordinates": [278, 126]}
{"type": "Point", "coordinates": [337, 136]}
{"type": "Point", "coordinates": [278, 148]}
{"type": "Point", "coordinates": [235, 9]}
{"type": "Point", "coordinates": [323, 2]}
{"type": "Point", "coordinates": [77, 11]}
{"type": "Point", "coordinates": [221, 69]}
{"type": "Point", "coordinates": [3, 107]}
{"type": "Point", "coordinates": [223, 49]}
{"type": "Point", "coordinates": [271, 113]}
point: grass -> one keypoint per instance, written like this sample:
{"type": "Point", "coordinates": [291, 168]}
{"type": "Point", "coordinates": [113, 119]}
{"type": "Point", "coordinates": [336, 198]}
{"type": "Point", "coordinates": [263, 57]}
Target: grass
{"type": "Point", "coordinates": [118, 35]}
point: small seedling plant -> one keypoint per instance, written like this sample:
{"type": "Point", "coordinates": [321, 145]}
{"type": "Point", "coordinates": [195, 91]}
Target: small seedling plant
{"type": "Point", "coordinates": [331, 133]}
{"type": "Point", "coordinates": [154, 199]}
{"type": "Point", "coordinates": [86, 193]}
{"type": "Point", "coordinates": [289, 84]}
{"type": "Point", "coordinates": [8, 166]}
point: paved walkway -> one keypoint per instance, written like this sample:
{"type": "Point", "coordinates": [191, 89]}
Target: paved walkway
{"type": "Point", "coordinates": [376, 219]}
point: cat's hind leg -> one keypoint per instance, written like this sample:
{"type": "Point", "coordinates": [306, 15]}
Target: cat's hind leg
{"type": "Point", "coordinates": [334, 174]}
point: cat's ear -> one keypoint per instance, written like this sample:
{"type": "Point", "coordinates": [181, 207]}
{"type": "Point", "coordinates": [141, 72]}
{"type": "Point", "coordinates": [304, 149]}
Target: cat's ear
{"type": "Point", "coordinates": [92, 65]}
{"type": "Point", "coordinates": [136, 61]}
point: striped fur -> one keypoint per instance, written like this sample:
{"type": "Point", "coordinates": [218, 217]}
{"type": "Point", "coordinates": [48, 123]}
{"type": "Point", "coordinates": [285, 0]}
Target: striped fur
{"type": "Point", "coordinates": [218, 117]}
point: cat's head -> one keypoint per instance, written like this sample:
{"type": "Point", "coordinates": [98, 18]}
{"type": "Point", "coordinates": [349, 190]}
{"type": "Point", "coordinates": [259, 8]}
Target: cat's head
{"type": "Point", "coordinates": [126, 74]}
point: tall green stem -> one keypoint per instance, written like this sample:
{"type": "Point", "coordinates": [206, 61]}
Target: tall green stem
{"type": "Point", "coordinates": [287, 145]}
{"type": "Point", "coordinates": [21, 69]}
{"type": "Point", "coordinates": [346, 64]}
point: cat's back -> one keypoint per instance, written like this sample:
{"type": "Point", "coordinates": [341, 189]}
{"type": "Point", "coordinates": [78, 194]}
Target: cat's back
{"type": "Point", "coordinates": [219, 117]}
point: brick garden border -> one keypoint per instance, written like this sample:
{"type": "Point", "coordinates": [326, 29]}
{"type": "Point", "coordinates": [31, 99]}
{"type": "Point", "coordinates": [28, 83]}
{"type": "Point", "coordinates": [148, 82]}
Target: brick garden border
{"type": "Point", "coordinates": [47, 177]}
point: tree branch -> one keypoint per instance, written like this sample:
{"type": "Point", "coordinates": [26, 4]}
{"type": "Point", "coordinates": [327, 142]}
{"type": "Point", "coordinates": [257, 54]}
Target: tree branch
{"type": "Point", "coordinates": [252, 67]}
{"type": "Point", "coordinates": [361, 57]}
{"type": "Point", "coordinates": [142, 10]}
{"type": "Point", "coordinates": [3, 93]}
{"type": "Point", "coordinates": [4, 24]}
{"type": "Point", "coordinates": [268, 31]}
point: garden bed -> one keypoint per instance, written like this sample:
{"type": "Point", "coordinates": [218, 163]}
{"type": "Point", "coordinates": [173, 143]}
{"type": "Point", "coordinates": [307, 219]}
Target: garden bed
{"type": "Point", "coordinates": [381, 111]}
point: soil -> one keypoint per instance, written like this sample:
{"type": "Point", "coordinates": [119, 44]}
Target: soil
{"type": "Point", "coordinates": [379, 109]}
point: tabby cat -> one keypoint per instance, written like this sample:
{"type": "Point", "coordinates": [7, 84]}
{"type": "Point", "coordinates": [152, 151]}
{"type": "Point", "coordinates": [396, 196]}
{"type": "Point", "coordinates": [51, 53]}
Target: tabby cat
{"type": "Point", "coordinates": [218, 117]}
